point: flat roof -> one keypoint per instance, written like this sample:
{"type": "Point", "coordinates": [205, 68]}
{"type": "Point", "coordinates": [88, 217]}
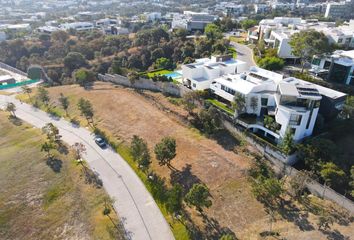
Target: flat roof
{"type": "Point", "coordinates": [288, 89]}
{"type": "Point", "coordinates": [5, 77]}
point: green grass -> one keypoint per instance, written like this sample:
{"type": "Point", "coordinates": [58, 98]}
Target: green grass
{"type": "Point", "coordinates": [233, 51]}
{"type": "Point", "coordinates": [179, 231]}
{"type": "Point", "coordinates": [240, 40]}
{"type": "Point", "coordinates": [221, 106]}
{"type": "Point", "coordinates": [159, 72]}
{"type": "Point", "coordinates": [35, 201]}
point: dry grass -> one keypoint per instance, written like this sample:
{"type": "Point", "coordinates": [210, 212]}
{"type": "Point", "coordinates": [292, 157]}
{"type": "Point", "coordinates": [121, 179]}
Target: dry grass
{"type": "Point", "coordinates": [125, 112]}
{"type": "Point", "coordinates": [37, 202]}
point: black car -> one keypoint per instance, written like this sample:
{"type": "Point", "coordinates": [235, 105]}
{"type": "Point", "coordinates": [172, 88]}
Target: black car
{"type": "Point", "coordinates": [100, 142]}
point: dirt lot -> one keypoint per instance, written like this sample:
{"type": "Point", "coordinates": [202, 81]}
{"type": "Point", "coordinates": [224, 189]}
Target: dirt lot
{"type": "Point", "coordinates": [124, 113]}
{"type": "Point", "coordinates": [42, 199]}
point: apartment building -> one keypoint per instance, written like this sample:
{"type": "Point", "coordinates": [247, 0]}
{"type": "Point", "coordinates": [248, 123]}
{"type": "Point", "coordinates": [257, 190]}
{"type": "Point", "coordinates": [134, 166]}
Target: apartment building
{"type": "Point", "coordinates": [340, 10]}
{"type": "Point", "coordinates": [200, 74]}
{"type": "Point", "coordinates": [78, 26]}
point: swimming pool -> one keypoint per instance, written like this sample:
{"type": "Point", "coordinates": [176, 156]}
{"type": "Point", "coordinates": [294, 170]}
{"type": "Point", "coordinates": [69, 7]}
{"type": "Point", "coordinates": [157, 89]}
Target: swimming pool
{"type": "Point", "coordinates": [173, 75]}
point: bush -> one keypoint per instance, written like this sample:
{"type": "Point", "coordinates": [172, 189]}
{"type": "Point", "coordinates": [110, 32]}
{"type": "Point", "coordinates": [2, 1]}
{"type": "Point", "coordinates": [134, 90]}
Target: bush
{"type": "Point", "coordinates": [271, 63]}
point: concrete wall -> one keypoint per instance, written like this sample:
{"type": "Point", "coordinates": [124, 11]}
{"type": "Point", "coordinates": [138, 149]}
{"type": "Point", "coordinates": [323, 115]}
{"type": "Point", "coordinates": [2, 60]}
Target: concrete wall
{"type": "Point", "coordinates": [280, 164]}
{"type": "Point", "coordinates": [147, 84]}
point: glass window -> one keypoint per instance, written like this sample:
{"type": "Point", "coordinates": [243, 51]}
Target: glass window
{"type": "Point", "coordinates": [316, 61]}
{"type": "Point", "coordinates": [264, 101]}
{"type": "Point", "coordinates": [295, 119]}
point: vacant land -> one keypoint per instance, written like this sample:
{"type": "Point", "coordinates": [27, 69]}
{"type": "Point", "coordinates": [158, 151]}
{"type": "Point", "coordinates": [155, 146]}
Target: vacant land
{"type": "Point", "coordinates": [125, 112]}
{"type": "Point", "coordinates": [46, 199]}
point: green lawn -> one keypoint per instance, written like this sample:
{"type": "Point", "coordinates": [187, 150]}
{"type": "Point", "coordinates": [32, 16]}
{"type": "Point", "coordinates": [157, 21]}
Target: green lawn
{"type": "Point", "coordinates": [179, 230]}
{"type": "Point", "coordinates": [221, 106]}
{"type": "Point", "coordinates": [233, 51]}
{"type": "Point", "coordinates": [159, 72]}
{"type": "Point", "coordinates": [40, 198]}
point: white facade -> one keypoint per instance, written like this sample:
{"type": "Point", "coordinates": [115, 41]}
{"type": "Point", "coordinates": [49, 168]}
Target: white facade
{"type": "Point", "coordinates": [280, 41]}
{"type": "Point", "coordinates": [199, 75]}
{"type": "Point", "coordinates": [192, 21]}
{"type": "Point", "coordinates": [78, 26]}
{"type": "Point", "coordinates": [293, 103]}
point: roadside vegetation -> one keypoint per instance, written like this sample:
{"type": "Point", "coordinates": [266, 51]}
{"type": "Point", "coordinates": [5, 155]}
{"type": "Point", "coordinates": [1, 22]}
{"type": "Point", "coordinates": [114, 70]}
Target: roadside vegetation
{"type": "Point", "coordinates": [47, 193]}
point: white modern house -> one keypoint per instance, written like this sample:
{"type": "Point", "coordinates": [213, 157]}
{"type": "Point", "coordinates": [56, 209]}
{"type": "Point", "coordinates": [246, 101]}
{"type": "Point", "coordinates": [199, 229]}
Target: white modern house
{"type": "Point", "coordinates": [338, 67]}
{"type": "Point", "coordinates": [200, 74]}
{"type": "Point", "coordinates": [280, 41]}
{"type": "Point", "coordinates": [78, 26]}
{"type": "Point", "coordinates": [293, 104]}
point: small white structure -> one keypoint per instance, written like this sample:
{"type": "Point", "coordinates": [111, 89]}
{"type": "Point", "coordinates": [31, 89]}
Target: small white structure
{"type": "Point", "coordinates": [78, 26]}
{"type": "Point", "coordinates": [48, 29]}
{"type": "Point", "coordinates": [199, 75]}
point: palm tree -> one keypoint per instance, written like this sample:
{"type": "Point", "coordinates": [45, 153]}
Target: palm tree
{"type": "Point", "coordinates": [11, 107]}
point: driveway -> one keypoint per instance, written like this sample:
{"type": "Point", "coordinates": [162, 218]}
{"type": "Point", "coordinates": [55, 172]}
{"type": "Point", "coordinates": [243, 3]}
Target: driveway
{"type": "Point", "coordinates": [136, 208]}
{"type": "Point", "coordinates": [244, 53]}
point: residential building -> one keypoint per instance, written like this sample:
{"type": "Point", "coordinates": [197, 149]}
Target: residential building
{"type": "Point", "coordinates": [338, 67]}
{"type": "Point", "coordinates": [340, 10]}
{"type": "Point", "coordinates": [232, 10]}
{"type": "Point", "coordinates": [280, 41]}
{"type": "Point", "coordinates": [199, 75]}
{"type": "Point", "coordinates": [261, 8]}
{"type": "Point", "coordinates": [78, 26]}
{"type": "Point", "coordinates": [192, 21]}
{"type": "Point", "coordinates": [292, 104]}
{"type": "Point", "coordinates": [48, 29]}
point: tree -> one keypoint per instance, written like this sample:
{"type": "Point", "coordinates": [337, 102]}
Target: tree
{"type": "Point", "coordinates": [47, 147]}
{"type": "Point", "coordinates": [324, 221]}
{"type": "Point", "coordinates": [59, 36]}
{"type": "Point", "coordinates": [248, 23]}
{"type": "Point", "coordinates": [163, 63]}
{"type": "Point", "coordinates": [64, 101]}
{"type": "Point", "coordinates": [213, 32]}
{"type": "Point", "coordinates": [190, 100]}
{"type": "Point", "coordinates": [84, 77]}
{"type": "Point", "coordinates": [254, 104]}
{"type": "Point", "coordinates": [348, 108]}
{"type": "Point", "coordinates": [227, 237]}
{"type": "Point", "coordinates": [27, 90]}
{"type": "Point", "coordinates": [174, 199]}
{"type": "Point", "coordinates": [287, 144]}
{"type": "Point", "coordinates": [351, 183]}
{"type": "Point", "coordinates": [86, 109]}
{"type": "Point", "coordinates": [165, 151]}
{"type": "Point", "coordinates": [209, 120]}
{"type": "Point", "coordinates": [79, 149]}
{"type": "Point", "coordinates": [11, 108]}
{"type": "Point", "coordinates": [74, 60]}
{"type": "Point", "coordinates": [267, 189]}
{"type": "Point", "coordinates": [198, 196]}
{"type": "Point", "coordinates": [52, 133]}
{"type": "Point", "coordinates": [43, 95]}
{"type": "Point", "coordinates": [271, 63]}
{"type": "Point", "coordinates": [332, 175]}
{"type": "Point", "coordinates": [298, 183]}
{"type": "Point", "coordinates": [307, 43]}
{"type": "Point", "coordinates": [239, 103]}
{"type": "Point", "coordinates": [133, 77]}
{"type": "Point", "coordinates": [140, 152]}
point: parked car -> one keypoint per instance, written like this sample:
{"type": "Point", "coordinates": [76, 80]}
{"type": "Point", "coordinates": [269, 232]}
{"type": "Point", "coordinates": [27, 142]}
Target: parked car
{"type": "Point", "coordinates": [100, 142]}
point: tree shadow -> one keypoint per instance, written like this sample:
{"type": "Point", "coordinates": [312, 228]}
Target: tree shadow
{"type": "Point", "coordinates": [62, 148]}
{"type": "Point", "coordinates": [226, 140]}
{"type": "Point", "coordinates": [55, 164]}
{"type": "Point", "coordinates": [334, 235]}
{"type": "Point", "coordinates": [185, 178]}
{"type": "Point", "coordinates": [92, 177]}
{"type": "Point", "coordinates": [213, 230]}
{"type": "Point", "coordinates": [293, 214]}
{"type": "Point", "coordinates": [15, 120]}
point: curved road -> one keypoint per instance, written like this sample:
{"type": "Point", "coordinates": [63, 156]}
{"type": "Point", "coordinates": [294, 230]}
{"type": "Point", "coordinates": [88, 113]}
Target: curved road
{"type": "Point", "coordinates": [137, 209]}
{"type": "Point", "coordinates": [244, 53]}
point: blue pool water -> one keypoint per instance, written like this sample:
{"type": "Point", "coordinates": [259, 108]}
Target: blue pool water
{"type": "Point", "coordinates": [173, 75]}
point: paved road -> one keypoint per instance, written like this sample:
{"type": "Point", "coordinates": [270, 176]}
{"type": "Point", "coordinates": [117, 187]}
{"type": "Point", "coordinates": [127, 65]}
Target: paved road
{"type": "Point", "coordinates": [244, 53]}
{"type": "Point", "coordinates": [137, 209]}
